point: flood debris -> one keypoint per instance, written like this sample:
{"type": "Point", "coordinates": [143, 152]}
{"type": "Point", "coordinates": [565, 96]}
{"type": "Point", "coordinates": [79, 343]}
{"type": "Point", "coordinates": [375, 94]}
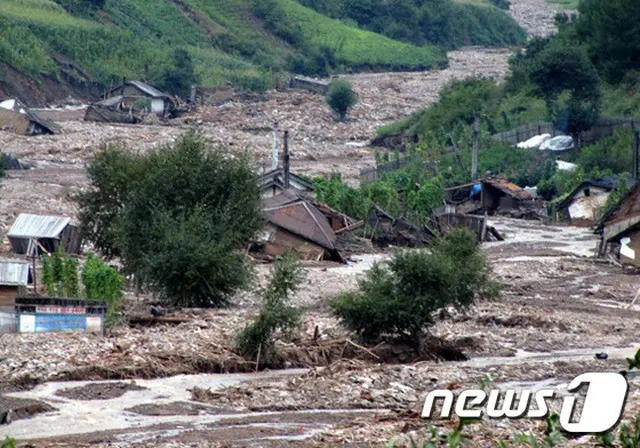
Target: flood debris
{"type": "Point", "coordinates": [385, 230]}
{"type": "Point", "coordinates": [17, 118]}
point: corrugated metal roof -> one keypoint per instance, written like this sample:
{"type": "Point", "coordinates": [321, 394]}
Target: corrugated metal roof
{"type": "Point", "coordinates": [509, 188]}
{"type": "Point", "coordinates": [38, 226]}
{"type": "Point", "coordinates": [148, 89]}
{"type": "Point", "coordinates": [302, 219]}
{"type": "Point", "coordinates": [14, 274]}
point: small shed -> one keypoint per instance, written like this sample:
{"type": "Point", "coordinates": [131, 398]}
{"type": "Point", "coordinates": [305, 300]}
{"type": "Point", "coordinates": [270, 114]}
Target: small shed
{"type": "Point", "coordinates": [584, 205]}
{"type": "Point", "coordinates": [46, 232]}
{"type": "Point", "coordinates": [18, 118]}
{"type": "Point", "coordinates": [14, 278]}
{"type": "Point", "coordinates": [493, 195]}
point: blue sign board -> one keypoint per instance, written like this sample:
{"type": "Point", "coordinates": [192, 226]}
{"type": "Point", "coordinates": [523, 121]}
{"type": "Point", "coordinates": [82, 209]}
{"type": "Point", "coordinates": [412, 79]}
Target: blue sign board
{"type": "Point", "coordinates": [60, 322]}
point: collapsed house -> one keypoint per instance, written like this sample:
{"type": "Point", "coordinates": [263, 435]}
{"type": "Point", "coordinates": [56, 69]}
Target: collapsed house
{"type": "Point", "coordinates": [300, 224]}
{"type": "Point", "coordinates": [17, 118]}
{"type": "Point", "coordinates": [448, 218]}
{"type": "Point", "coordinates": [586, 202]}
{"type": "Point", "coordinates": [14, 278]}
{"type": "Point", "coordinates": [128, 102]}
{"type": "Point", "coordinates": [35, 234]}
{"type": "Point", "coordinates": [620, 229]}
{"type": "Point", "coordinates": [388, 230]}
{"type": "Point", "coordinates": [493, 195]}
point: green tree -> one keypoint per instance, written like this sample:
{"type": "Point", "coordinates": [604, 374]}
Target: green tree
{"type": "Point", "coordinates": [112, 175]}
{"type": "Point", "coordinates": [611, 33]}
{"type": "Point", "coordinates": [179, 225]}
{"type": "Point", "coordinates": [400, 297]}
{"type": "Point", "coordinates": [341, 98]}
{"type": "Point", "coordinates": [276, 312]}
{"type": "Point", "coordinates": [180, 75]}
{"type": "Point", "coordinates": [569, 82]}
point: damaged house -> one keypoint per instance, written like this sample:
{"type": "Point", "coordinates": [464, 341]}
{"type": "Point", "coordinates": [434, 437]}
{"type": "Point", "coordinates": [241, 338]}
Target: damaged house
{"type": "Point", "coordinates": [586, 203]}
{"type": "Point", "coordinates": [387, 229]}
{"type": "Point", "coordinates": [40, 233]}
{"type": "Point", "coordinates": [129, 101]}
{"type": "Point", "coordinates": [493, 195]}
{"type": "Point", "coordinates": [18, 118]}
{"type": "Point", "coordinates": [293, 222]}
{"type": "Point", "coordinates": [620, 228]}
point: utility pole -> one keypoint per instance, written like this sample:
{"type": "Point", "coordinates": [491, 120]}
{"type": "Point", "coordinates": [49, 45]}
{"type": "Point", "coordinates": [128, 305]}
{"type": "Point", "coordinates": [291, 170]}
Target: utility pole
{"type": "Point", "coordinates": [474, 159]}
{"type": "Point", "coordinates": [286, 164]}
{"type": "Point", "coordinates": [274, 158]}
{"type": "Point", "coordinates": [636, 156]}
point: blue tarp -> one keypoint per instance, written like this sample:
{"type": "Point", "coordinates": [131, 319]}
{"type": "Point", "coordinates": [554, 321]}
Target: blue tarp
{"type": "Point", "coordinates": [476, 190]}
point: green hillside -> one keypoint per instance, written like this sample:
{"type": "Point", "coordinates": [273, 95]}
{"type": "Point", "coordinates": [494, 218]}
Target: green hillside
{"type": "Point", "coordinates": [244, 41]}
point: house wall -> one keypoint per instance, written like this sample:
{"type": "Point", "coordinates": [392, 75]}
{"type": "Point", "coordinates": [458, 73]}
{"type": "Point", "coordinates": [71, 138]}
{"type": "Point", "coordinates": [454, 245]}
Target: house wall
{"type": "Point", "coordinates": [630, 248]}
{"type": "Point", "coordinates": [7, 294]}
{"type": "Point", "coordinates": [586, 209]}
{"type": "Point", "coordinates": [279, 241]}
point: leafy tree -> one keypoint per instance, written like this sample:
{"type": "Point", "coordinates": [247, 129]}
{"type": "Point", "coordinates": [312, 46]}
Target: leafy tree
{"type": "Point", "coordinates": [611, 33]}
{"type": "Point", "coordinates": [112, 175]}
{"type": "Point", "coordinates": [178, 225]}
{"type": "Point", "coordinates": [341, 98]}
{"type": "Point", "coordinates": [400, 297]}
{"type": "Point", "coordinates": [276, 312]}
{"type": "Point", "coordinates": [559, 70]}
{"type": "Point", "coordinates": [180, 75]}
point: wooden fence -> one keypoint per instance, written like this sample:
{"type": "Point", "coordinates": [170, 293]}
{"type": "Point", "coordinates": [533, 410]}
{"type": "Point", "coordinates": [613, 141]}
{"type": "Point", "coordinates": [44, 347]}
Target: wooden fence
{"type": "Point", "coordinates": [524, 132]}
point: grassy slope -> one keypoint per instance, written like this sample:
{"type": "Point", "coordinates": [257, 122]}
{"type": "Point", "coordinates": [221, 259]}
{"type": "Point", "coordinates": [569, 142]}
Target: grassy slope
{"type": "Point", "coordinates": [357, 47]}
{"type": "Point", "coordinates": [129, 38]}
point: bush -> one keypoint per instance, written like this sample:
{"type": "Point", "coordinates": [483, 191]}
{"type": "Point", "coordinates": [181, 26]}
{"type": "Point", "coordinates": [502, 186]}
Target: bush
{"type": "Point", "coordinates": [60, 275]}
{"type": "Point", "coordinates": [102, 282]}
{"type": "Point", "coordinates": [341, 98]}
{"type": "Point", "coordinates": [400, 297]}
{"type": "Point", "coordinates": [179, 221]}
{"type": "Point", "coordinates": [276, 313]}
